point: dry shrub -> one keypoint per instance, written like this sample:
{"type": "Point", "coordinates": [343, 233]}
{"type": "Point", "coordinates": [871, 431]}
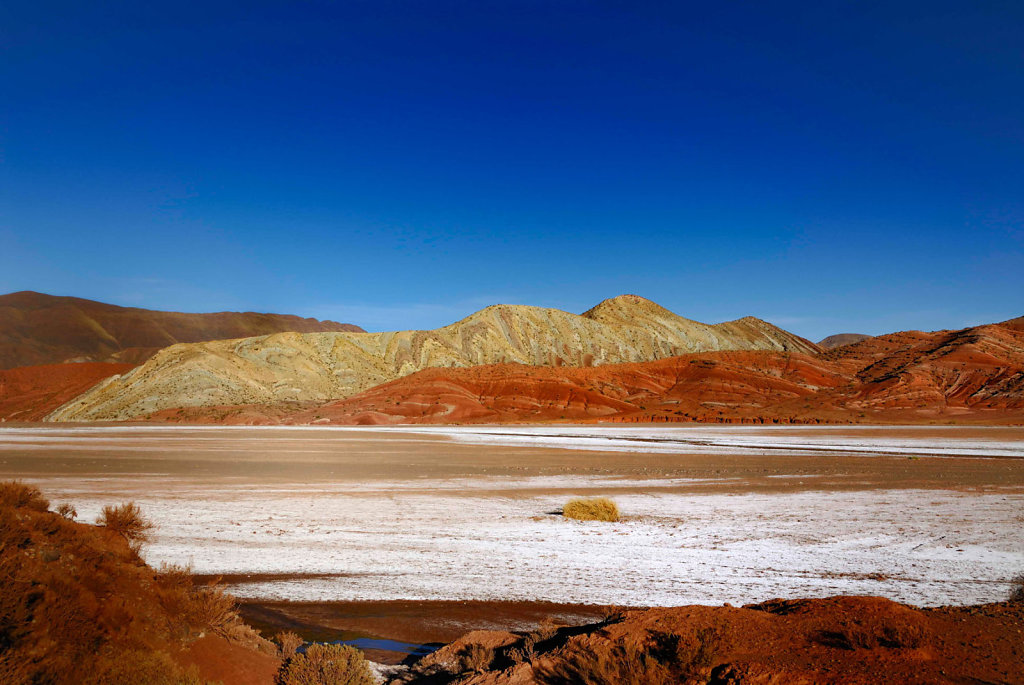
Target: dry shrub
{"type": "Point", "coordinates": [624, 664]}
{"type": "Point", "coordinates": [19, 495]}
{"type": "Point", "coordinates": [288, 643]}
{"type": "Point", "coordinates": [546, 629]}
{"type": "Point", "coordinates": [80, 607]}
{"type": "Point", "coordinates": [666, 658]}
{"type": "Point", "coordinates": [890, 635]}
{"type": "Point", "coordinates": [688, 658]}
{"type": "Point", "coordinates": [127, 521]}
{"type": "Point", "coordinates": [67, 511]}
{"type": "Point", "coordinates": [327, 665]}
{"type": "Point", "coordinates": [193, 610]}
{"type": "Point", "coordinates": [591, 509]}
{"type": "Point", "coordinates": [1017, 593]}
{"type": "Point", "coordinates": [475, 658]}
{"type": "Point", "coordinates": [138, 667]}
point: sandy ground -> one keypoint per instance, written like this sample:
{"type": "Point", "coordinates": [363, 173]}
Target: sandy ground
{"type": "Point", "coordinates": [711, 515]}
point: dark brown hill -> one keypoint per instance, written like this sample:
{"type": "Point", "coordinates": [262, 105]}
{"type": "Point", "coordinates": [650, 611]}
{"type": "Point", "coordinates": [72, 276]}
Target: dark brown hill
{"type": "Point", "coordinates": [840, 339]}
{"type": "Point", "coordinates": [47, 329]}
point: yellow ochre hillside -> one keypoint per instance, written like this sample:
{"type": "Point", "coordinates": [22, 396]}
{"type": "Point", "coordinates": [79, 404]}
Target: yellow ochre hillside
{"type": "Point", "coordinates": [285, 367]}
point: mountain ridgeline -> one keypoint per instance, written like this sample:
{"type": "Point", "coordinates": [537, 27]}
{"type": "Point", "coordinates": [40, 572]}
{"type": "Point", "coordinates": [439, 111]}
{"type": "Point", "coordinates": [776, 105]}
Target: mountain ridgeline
{"type": "Point", "coordinates": [317, 367]}
{"type": "Point", "coordinates": [46, 329]}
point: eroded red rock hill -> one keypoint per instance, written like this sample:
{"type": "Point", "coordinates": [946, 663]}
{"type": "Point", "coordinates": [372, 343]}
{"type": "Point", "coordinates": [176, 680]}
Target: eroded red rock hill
{"type": "Point", "coordinates": [974, 374]}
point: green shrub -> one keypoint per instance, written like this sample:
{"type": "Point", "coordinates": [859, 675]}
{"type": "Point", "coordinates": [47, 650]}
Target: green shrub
{"type": "Point", "coordinates": [327, 665]}
{"type": "Point", "coordinates": [591, 509]}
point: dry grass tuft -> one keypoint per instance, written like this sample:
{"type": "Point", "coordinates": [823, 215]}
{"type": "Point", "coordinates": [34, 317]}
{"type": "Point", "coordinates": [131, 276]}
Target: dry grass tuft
{"type": "Point", "coordinates": [327, 665]}
{"type": "Point", "coordinates": [591, 509]}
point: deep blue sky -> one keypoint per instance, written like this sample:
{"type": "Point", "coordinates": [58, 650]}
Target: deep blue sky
{"type": "Point", "coordinates": [854, 166]}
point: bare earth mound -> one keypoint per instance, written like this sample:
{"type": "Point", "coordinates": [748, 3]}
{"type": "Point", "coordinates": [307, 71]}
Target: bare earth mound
{"type": "Point", "coordinates": [45, 329]}
{"type": "Point", "coordinates": [858, 640]}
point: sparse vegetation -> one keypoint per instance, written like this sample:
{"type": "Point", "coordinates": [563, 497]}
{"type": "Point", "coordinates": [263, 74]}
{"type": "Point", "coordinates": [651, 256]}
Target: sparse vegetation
{"type": "Point", "coordinates": [127, 520]}
{"type": "Point", "coordinates": [84, 610]}
{"type": "Point", "coordinates": [18, 495]}
{"type": "Point", "coordinates": [327, 665]}
{"type": "Point", "coordinates": [665, 658]}
{"type": "Point", "coordinates": [287, 644]}
{"type": "Point", "coordinates": [591, 509]}
{"type": "Point", "coordinates": [1017, 593]}
{"type": "Point", "coordinates": [626, 664]}
{"type": "Point", "coordinates": [67, 511]}
{"type": "Point", "coordinates": [475, 658]}
{"type": "Point", "coordinates": [898, 635]}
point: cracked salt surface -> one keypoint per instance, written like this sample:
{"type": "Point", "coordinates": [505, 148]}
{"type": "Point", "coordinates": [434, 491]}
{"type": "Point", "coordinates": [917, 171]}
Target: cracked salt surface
{"type": "Point", "coordinates": [930, 547]}
{"type": "Point", "coordinates": [492, 537]}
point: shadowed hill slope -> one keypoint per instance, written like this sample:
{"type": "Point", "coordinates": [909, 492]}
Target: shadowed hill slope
{"type": "Point", "coordinates": [840, 339]}
{"type": "Point", "coordinates": [316, 367]}
{"type": "Point", "coordinates": [45, 329]}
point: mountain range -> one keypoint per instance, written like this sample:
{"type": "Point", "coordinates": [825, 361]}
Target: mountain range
{"type": "Point", "coordinates": [309, 367]}
{"type": "Point", "coordinates": [47, 329]}
{"type": "Point", "coordinates": [626, 359]}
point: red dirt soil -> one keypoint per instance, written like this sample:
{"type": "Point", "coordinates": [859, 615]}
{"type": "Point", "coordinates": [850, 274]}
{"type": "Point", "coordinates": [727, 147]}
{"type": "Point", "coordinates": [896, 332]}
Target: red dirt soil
{"type": "Point", "coordinates": [229, 664]}
{"type": "Point", "coordinates": [46, 329]}
{"type": "Point", "coordinates": [855, 640]}
{"type": "Point", "coordinates": [29, 393]}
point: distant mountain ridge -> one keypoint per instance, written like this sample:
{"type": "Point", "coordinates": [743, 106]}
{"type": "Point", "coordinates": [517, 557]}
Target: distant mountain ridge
{"type": "Point", "coordinates": [47, 329]}
{"type": "Point", "coordinates": [972, 375]}
{"type": "Point", "coordinates": [317, 367]}
{"type": "Point", "coordinates": [840, 339]}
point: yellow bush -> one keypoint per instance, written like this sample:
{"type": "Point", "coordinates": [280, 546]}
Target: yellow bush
{"type": "Point", "coordinates": [591, 509]}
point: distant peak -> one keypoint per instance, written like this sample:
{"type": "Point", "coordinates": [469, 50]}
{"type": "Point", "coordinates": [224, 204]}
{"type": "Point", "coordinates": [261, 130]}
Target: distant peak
{"type": "Point", "coordinates": [621, 303]}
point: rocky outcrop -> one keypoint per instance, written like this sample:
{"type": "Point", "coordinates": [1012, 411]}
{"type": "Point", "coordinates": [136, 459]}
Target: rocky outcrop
{"type": "Point", "coordinates": [317, 367]}
{"type": "Point", "coordinates": [837, 640]}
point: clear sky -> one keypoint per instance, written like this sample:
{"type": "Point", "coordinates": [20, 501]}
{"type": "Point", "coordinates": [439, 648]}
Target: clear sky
{"type": "Point", "coordinates": [828, 166]}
